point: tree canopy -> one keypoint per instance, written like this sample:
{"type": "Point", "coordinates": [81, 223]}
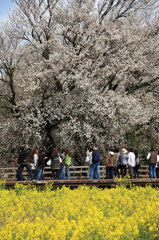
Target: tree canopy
{"type": "Point", "coordinates": [77, 72]}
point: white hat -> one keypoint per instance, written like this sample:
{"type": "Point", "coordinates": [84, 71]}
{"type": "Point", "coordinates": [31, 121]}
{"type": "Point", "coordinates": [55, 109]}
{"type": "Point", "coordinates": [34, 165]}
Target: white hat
{"type": "Point", "coordinates": [123, 150]}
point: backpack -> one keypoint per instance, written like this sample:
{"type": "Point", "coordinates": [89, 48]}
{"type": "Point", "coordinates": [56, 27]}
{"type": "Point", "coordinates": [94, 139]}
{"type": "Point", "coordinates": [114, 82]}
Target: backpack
{"type": "Point", "coordinates": [95, 156]}
{"type": "Point", "coordinates": [67, 160]}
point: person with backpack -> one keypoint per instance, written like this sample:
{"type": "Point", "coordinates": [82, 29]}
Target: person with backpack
{"type": "Point", "coordinates": [95, 166]}
{"type": "Point", "coordinates": [110, 163]}
{"type": "Point", "coordinates": [122, 162]}
{"type": "Point", "coordinates": [67, 162]}
{"type": "Point", "coordinates": [24, 162]}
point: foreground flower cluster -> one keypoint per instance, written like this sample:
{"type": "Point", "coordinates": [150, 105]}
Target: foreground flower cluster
{"type": "Point", "coordinates": [80, 214]}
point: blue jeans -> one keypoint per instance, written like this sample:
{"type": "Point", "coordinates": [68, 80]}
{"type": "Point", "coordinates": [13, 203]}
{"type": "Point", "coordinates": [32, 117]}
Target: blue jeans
{"type": "Point", "coordinates": [67, 172]}
{"type": "Point", "coordinates": [62, 172]}
{"type": "Point", "coordinates": [109, 172]}
{"type": "Point", "coordinates": [152, 170]}
{"type": "Point", "coordinates": [95, 168]}
{"type": "Point", "coordinates": [20, 171]}
{"type": "Point", "coordinates": [40, 174]}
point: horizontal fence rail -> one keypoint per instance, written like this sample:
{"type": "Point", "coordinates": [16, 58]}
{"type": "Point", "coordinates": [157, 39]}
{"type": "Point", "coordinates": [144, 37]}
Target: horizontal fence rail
{"type": "Point", "coordinates": [76, 173]}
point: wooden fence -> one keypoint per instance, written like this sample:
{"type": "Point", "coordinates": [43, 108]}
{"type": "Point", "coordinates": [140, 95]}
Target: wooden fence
{"type": "Point", "coordinates": [76, 173]}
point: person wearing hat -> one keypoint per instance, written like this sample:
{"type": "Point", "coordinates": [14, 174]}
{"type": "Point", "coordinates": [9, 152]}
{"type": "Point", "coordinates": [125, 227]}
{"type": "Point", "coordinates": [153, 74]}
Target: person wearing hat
{"type": "Point", "coordinates": [122, 162]}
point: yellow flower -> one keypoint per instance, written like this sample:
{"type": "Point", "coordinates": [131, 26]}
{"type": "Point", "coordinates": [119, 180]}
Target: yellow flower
{"type": "Point", "coordinates": [84, 213]}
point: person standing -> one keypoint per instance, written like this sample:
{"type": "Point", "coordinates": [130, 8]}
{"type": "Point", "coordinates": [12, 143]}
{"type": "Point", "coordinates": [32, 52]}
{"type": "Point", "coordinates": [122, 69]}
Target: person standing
{"type": "Point", "coordinates": [55, 164]}
{"type": "Point", "coordinates": [157, 165]}
{"type": "Point", "coordinates": [116, 170]}
{"type": "Point", "coordinates": [122, 162]}
{"type": "Point", "coordinates": [34, 162]}
{"type": "Point", "coordinates": [110, 164]}
{"type": "Point", "coordinates": [62, 165]}
{"type": "Point", "coordinates": [131, 162]}
{"type": "Point", "coordinates": [19, 161]}
{"type": "Point", "coordinates": [41, 164]}
{"type": "Point", "coordinates": [95, 166]}
{"type": "Point", "coordinates": [152, 161]}
{"type": "Point", "coordinates": [88, 160]}
{"type": "Point", "coordinates": [137, 160]}
{"type": "Point", "coordinates": [67, 162]}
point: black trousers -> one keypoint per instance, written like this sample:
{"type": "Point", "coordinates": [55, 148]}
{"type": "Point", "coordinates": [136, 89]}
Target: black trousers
{"type": "Point", "coordinates": [55, 174]}
{"type": "Point", "coordinates": [121, 170]}
{"type": "Point", "coordinates": [20, 176]}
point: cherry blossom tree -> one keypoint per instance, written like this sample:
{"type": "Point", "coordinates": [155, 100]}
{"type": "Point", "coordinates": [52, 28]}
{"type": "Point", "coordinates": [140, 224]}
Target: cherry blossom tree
{"type": "Point", "coordinates": [83, 72]}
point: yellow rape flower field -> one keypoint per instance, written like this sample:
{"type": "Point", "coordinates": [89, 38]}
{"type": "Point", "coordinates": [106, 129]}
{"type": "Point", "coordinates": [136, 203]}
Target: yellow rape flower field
{"type": "Point", "coordinates": [81, 214]}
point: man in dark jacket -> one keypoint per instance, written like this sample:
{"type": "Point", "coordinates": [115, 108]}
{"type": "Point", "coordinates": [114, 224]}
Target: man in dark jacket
{"type": "Point", "coordinates": [41, 164]}
{"type": "Point", "coordinates": [23, 158]}
{"type": "Point", "coordinates": [55, 164]}
{"type": "Point", "coordinates": [95, 166]}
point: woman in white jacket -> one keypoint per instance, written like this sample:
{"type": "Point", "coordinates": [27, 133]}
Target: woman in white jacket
{"type": "Point", "coordinates": [89, 159]}
{"type": "Point", "coordinates": [131, 162]}
{"type": "Point", "coordinates": [34, 161]}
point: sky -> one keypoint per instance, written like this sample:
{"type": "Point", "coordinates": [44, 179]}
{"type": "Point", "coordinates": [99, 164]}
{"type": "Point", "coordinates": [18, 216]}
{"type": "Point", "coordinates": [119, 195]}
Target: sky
{"type": "Point", "coordinates": [5, 6]}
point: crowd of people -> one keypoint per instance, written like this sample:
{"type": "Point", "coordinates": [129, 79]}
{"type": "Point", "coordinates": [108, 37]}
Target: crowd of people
{"type": "Point", "coordinates": [117, 162]}
{"type": "Point", "coordinates": [35, 161]}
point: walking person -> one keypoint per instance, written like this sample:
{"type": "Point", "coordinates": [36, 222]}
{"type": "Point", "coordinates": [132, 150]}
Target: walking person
{"type": "Point", "coordinates": [67, 162]}
{"type": "Point", "coordinates": [24, 162]}
{"type": "Point", "coordinates": [131, 162]}
{"type": "Point", "coordinates": [110, 163]}
{"type": "Point", "coordinates": [152, 161]}
{"type": "Point", "coordinates": [95, 166]}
